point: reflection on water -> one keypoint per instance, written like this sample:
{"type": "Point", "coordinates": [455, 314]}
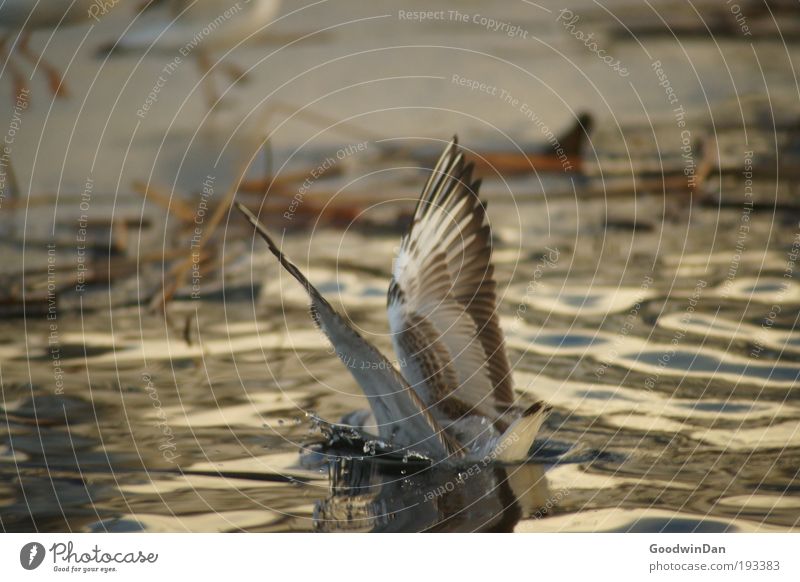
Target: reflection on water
{"type": "Point", "coordinates": [369, 495]}
{"type": "Point", "coordinates": [667, 347]}
{"type": "Point", "coordinates": [665, 419]}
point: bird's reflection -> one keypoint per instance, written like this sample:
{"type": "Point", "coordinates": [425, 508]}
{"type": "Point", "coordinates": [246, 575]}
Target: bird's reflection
{"type": "Point", "coordinates": [376, 495]}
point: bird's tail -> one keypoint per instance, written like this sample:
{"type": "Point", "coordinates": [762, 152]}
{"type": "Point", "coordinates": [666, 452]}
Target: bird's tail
{"type": "Point", "coordinates": [517, 440]}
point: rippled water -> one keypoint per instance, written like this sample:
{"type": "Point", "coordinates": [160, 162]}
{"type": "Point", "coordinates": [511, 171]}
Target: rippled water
{"type": "Point", "coordinates": [671, 382]}
{"type": "Point", "coordinates": [663, 333]}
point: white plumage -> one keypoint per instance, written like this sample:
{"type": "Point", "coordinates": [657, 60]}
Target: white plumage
{"type": "Point", "coordinates": [453, 396]}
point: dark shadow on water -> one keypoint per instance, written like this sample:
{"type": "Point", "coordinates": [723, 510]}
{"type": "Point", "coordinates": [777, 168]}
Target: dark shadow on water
{"type": "Point", "coordinates": [56, 479]}
{"type": "Point", "coordinates": [369, 494]}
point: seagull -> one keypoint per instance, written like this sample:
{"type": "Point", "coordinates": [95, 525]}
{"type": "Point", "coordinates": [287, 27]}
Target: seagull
{"type": "Point", "coordinates": [452, 398]}
{"type": "Point", "coordinates": [22, 18]}
{"type": "Point", "coordinates": [197, 27]}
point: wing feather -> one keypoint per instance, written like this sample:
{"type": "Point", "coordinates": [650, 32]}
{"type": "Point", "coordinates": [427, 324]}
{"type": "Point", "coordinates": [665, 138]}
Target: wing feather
{"type": "Point", "coordinates": [443, 275]}
{"type": "Point", "coordinates": [402, 418]}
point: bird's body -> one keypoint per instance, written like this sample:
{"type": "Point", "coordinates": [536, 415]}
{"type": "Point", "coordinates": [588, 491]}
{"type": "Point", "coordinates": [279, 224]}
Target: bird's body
{"type": "Point", "coordinates": [453, 396]}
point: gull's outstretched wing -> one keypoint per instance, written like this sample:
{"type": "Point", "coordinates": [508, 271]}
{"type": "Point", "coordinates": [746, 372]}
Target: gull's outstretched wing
{"type": "Point", "coordinates": [402, 418]}
{"type": "Point", "coordinates": [442, 298]}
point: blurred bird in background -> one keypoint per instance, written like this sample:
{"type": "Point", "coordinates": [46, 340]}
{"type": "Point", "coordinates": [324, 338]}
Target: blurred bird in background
{"type": "Point", "coordinates": [197, 28]}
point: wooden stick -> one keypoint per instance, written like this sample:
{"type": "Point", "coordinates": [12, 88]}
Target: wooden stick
{"type": "Point", "coordinates": [167, 291]}
{"type": "Point", "coordinates": [171, 203]}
